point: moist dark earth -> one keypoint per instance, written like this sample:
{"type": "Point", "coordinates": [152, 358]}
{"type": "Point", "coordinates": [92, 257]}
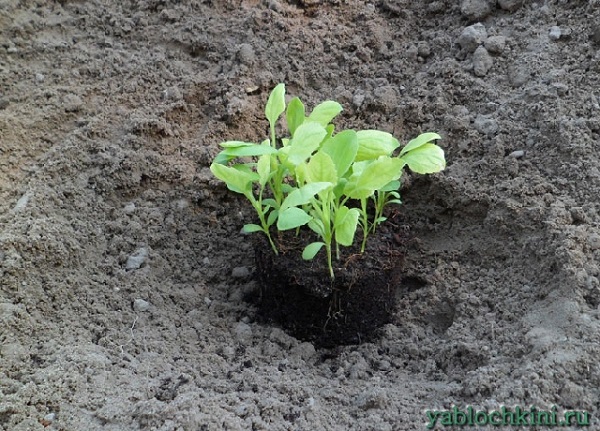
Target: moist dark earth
{"type": "Point", "coordinates": [123, 273]}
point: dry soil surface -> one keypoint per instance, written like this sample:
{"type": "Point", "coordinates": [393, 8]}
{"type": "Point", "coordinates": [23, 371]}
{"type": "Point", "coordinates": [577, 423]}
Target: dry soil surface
{"type": "Point", "coordinates": [122, 269]}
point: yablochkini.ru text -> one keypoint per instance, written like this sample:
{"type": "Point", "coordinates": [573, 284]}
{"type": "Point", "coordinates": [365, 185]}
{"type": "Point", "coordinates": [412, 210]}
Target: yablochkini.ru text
{"type": "Point", "coordinates": [506, 417]}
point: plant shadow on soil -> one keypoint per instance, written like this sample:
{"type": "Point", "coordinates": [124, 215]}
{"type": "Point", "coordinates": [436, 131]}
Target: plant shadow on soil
{"type": "Point", "coordinates": [300, 296]}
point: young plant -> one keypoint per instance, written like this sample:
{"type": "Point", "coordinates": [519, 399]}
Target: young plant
{"type": "Point", "coordinates": [311, 179]}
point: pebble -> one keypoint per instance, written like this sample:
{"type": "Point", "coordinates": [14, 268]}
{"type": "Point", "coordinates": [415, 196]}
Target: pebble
{"type": "Point", "coordinates": [495, 44]}
{"type": "Point", "coordinates": [486, 125]}
{"type": "Point", "coordinates": [358, 99]}
{"type": "Point", "coordinates": [472, 37]}
{"type": "Point", "coordinates": [137, 259]}
{"type": "Point", "coordinates": [141, 305]}
{"type": "Point", "coordinates": [595, 34]}
{"type": "Point", "coordinates": [50, 417]}
{"type": "Point", "coordinates": [554, 33]}
{"type": "Point", "coordinates": [518, 76]}
{"type": "Point", "coordinates": [517, 154]}
{"type": "Point", "coordinates": [12, 50]}
{"type": "Point", "coordinates": [22, 202]}
{"type": "Point", "coordinates": [476, 9]}
{"type": "Point", "coordinates": [279, 337]}
{"type": "Point", "coordinates": [72, 103]}
{"type": "Point", "coordinates": [242, 331]}
{"type": "Point", "coordinates": [594, 241]}
{"type": "Point", "coordinates": [14, 352]}
{"type": "Point", "coordinates": [129, 208]}
{"type": "Point", "coordinates": [305, 351]}
{"type": "Point", "coordinates": [423, 49]}
{"type": "Point", "coordinates": [40, 77]}
{"type": "Point", "coordinates": [240, 272]}
{"type": "Point", "coordinates": [482, 62]}
{"type": "Point", "coordinates": [372, 399]}
{"type": "Point", "coordinates": [172, 94]}
{"type": "Point", "coordinates": [510, 5]}
{"type": "Point", "coordinates": [246, 54]}
{"type": "Point", "coordinates": [242, 410]}
{"type": "Point", "coordinates": [386, 97]}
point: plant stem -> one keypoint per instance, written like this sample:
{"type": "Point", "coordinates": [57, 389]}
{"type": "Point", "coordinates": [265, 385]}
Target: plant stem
{"type": "Point", "coordinates": [257, 204]}
{"type": "Point", "coordinates": [324, 213]}
{"type": "Point", "coordinates": [329, 259]}
{"type": "Point", "coordinates": [379, 201]}
{"type": "Point", "coordinates": [365, 224]}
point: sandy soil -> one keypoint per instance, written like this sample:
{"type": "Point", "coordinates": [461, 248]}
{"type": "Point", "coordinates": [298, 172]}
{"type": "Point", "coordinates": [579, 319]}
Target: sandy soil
{"type": "Point", "coordinates": [122, 270]}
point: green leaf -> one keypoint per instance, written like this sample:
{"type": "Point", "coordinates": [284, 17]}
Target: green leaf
{"type": "Point", "coordinates": [275, 104]}
{"type": "Point", "coordinates": [342, 149]}
{"type": "Point", "coordinates": [325, 112]}
{"type": "Point", "coordinates": [420, 140]}
{"type": "Point", "coordinates": [235, 144]}
{"type": "Point", "coordinates": [250, 228]}
{"type": "Point", "coordinates": [374, 176]}
{"type": "Point", "coordinates": [303, 195]}
{"type": "Point", "coordinates": [306, 140]}
{"type": "Point", "coordinates": [346, 221]}
{"type": "Point", "coordinates": [223, 158]}
{"type": "Point", "coordinates": [317, 226]}
{"type": "Point", "coordinates": [330, 129]}
{"type": "Point", "coordinates": [320, 168]}
{"type": "Point", "coordinates": [291, 218]}
{"type": "Point", "coordinates": [237, 181]}
{"type": "Point", "coordinates": [311, 250]}
{"type": "Point", "coordinates": [272, 217]}
{"type": "Point", "coordinates": [375, 143]}
{"type": "Point", "coordinates": [263, 168]}
{"type": "Point", "coordinates": [392, 186]}
{"type": "Point", "coordinates": [249, 150]}
{"type": "Point", "coordinates": [294, 115]}
{"type": "Point", "coordinates": [270, 203]}
{"type": "Point", "coordinates": [426, 159]}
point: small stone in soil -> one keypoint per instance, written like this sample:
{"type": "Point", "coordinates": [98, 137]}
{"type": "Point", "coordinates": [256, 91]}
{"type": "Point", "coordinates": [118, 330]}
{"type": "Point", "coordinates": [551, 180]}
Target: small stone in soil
{"type": "Point", "coordinates": [141, 305]}
{"type": "Point", "coordinates": [240, 272]}
{"type": "Point", "coordinates": [476, 9]}
{"type": "Point", "coordinates": [482, 62]}
{"type": "Point", "coordinates": [72, 103]}
{"type": "Point", "coordinates": [373, 399]}
{"type": "Point", "coordinates": [594, 241]}
{"type": "Point", "coordinates": [495, 44]}
{"type": "Point", "coordinates": [554, 33]}
{"type": "Point", "coordinates": [472, 37]}
{"type": "Point", "coordinates": [510, 5]}
{"type": "Point", "coordinates": [517, 154]}
{"type": "Point", "coordinates": [246, 54]}
{"type": "Point", "coordinates": [136, 260]}
{"type": "Point", "coordinates": [243, 331]}
{"type": "Point", "coordinates": [304, 350]}
{"type": "Point", "coordinates": [485, 125]}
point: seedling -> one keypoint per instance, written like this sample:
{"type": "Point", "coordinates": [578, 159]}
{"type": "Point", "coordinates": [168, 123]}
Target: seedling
{"type": "Point", "coordinates": [315, 175]}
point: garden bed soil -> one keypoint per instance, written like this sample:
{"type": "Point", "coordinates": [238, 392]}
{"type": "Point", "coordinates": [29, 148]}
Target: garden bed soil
{"type": "Point", "coordinates": [123, 273]}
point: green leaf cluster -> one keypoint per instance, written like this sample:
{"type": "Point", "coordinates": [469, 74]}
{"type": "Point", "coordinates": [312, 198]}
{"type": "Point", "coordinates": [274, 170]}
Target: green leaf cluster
{"type": "Point", "coordinates": [321, 179]}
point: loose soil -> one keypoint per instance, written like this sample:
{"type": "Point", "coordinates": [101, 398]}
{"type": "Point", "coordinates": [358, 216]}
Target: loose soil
{"type": "Point", "coordinates": [122, 270]}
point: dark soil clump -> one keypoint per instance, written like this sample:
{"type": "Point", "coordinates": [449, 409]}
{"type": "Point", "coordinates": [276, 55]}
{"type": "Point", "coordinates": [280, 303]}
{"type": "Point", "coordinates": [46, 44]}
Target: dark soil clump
{"type": "Point", "coordinates": [300, 296]}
